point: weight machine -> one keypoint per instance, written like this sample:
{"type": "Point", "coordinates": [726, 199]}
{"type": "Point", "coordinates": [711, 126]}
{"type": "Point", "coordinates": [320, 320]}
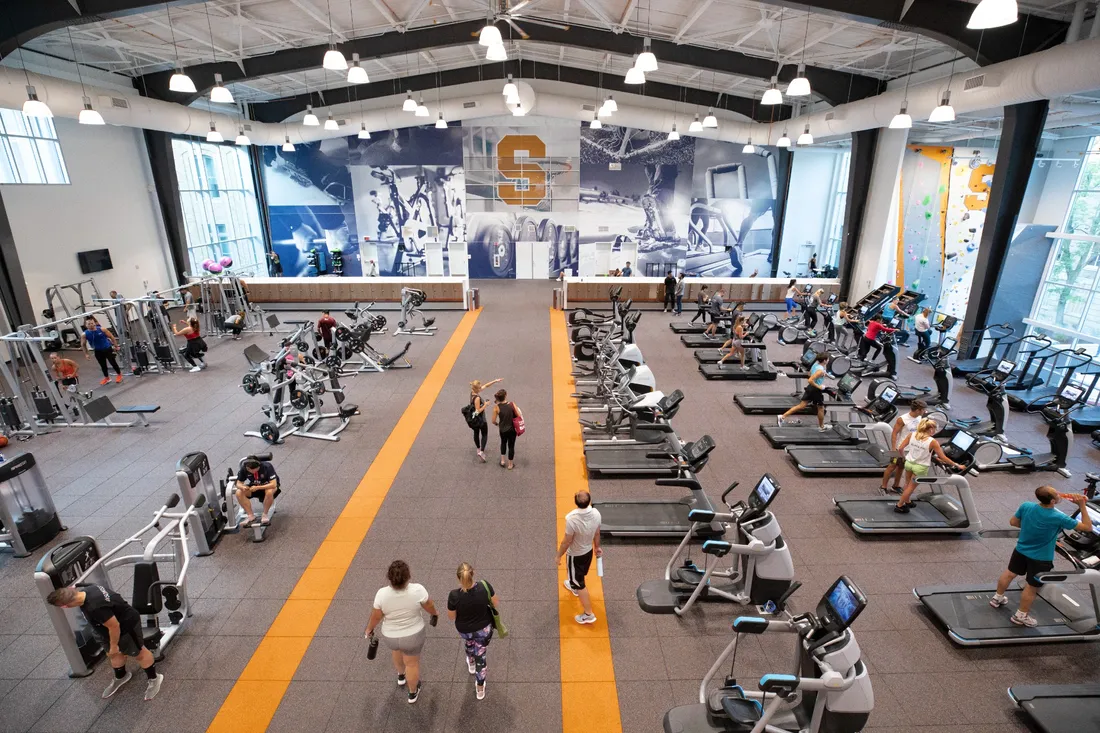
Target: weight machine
{"type": "Point", "coordinates": [411, 300]}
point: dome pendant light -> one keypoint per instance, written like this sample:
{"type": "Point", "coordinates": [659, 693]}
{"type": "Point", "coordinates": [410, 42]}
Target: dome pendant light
{"type": "Point", "coordinates": [363, 134]}
{"type": "Point", "coordinates": [181, 83]}
{"type": "Point", "coordinates": [595, 124]}
{"type": "Point", "coordinates": [993, 14]}
{"type": "Point", "coordinates": [310, 120]}
{"type": "Point", "coordinates": [331, 124]}
{"type": "Point", "coordinates": [603, 111]}
{"type": "Point", "coordinates": [288, 147]}
{"type": "Point", "coordinates": [646, 62]}
{"type": "Point", "coordinates": [334, 60]}
{"type": "Point", "coordinates": [772, 95]}
{"type": "Point", "coordinates": [710, 120]}
{"type": "Point", "coordinates": [218, 93]}
{"type": "Point", "coordinates": [441, 123]}
{"type": "Point", "coordinates": [783, 142]}
{"type": "Point", "coordinates": [89, 116]}
{"type": "Point", "coordinates": [611, 104]}
{"type": "Point", "coordinates": [34, 107]}
{"type": "Point", "coordinates": [214, 136]}
{"type": "Point", "coordinates": [518, 110]}
{"type": "Point", "coordinates": [696, 125]}
{"type": "Point", "coordinates": [510, 89]}
{"type": "Point", "coordinates": [902, 120]}
{"type": "Point", "coordinates": [806, 138]}
{"type": "Point", "coordinates": [634, 76]}
{"type": "Point", "coordinates": [490, 36]}
{"type": "Point", "coordinates": [496, 53]}
{"type": "Point", "coordinates": [749, 148]}
{"type": "Point", "coordinates": [673, 134]}
{"type": "Point", "coordinates": [356, 73]}
{"type": "Point", "coordinates": [421, 110]}
{"type": "Point", "coordinates": [409, 105]}
{"type": "Point", "coordinates": [800, 85]}
{"type": "Point", "coordinates": [945, 112]}
{"type": "Point", "coordinates": [242, 139]}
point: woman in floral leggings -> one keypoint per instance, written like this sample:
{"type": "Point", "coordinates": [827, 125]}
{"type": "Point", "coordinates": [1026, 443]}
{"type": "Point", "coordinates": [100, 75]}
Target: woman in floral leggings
{"type": "Point", "coordinates": [468, 606]}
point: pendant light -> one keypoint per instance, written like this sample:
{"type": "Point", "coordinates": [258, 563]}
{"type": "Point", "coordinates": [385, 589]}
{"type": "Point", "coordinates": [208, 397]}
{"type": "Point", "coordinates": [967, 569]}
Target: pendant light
{"type": "Point", "coordinates": [242, 139]}
{"type": "Point", "coordinates": [749, 148]}
{"type": "Point", "coordinates": [673, 134]}
{"type": "Point", "coordinates": [783, 142]}
{"type": "Point", "coordinates": [409, 105]}
{"type": "Point", "coordinates": [595, 124]}
{"type": "Point", "coordinates": [993, 14]}
{"type": "Point", "coordinates": [421, 110]}
{"type": "Point", "coordinates": [710, 120]}
{"type": "Point", "coordinates": [646, 62]}
{"type": "Point", "coordinates": [696, 125]}
{"type": "Point", "coordinates": [510, 89]}
{"type": "Point", "coordinates": [772, 95]}
{"type": "Point", "coordinates": [334, 60]}
{"type": "Point", "coordinates": [310, 120]}
{"type": "Point", "coordinates": [214, 136]}
{"type": "Point", "coordinates": [88, 116]}
{"type": "Point", "coordinates": [902, 120]}
{"type": "Point", "coordinates": [363, 134]}
{"type": "Point", "coordinates": [634, 75]}
{"type": "Point", "coordinates": [603, 111]}
{"type": "Point", "coordinates": [356, 73]}
{"type": "Point", "coordinates": [331, 124]}
{"type": "Point", "coordinates": [180, 82]}
{"type": "Point", "coordinates": [945, 112]}
{"type": "Point", "coordinates": [518, 110]}
{"type": "Point", "coordinates": [288, 147]}
{"type": "Point", "coordinates": [34, 107]}
{"type": "Point", "coordinates": [800, 85]}
{"type": "Point", "coordinates": [441, 123]}
{"type": "Point", "coordinates": [611, 104]}
{"type": "Point", "coordinates": [496, 53]}
{"type": "Point", "coordinates": [490, 36]}
{"type": "Point", "coordinates": [218, 93]}
{"type": "Point", "coordinates": [806, 138]}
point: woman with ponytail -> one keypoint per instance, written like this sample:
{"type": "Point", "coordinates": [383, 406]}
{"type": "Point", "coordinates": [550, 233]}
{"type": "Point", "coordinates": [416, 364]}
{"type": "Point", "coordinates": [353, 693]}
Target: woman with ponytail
{"type": "Point", "coordinates": [918, 449]}
{"type": "Point", "coordinates": [468, 606]}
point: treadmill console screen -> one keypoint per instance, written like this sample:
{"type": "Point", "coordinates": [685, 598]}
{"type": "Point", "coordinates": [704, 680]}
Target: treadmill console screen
{"type": "Point", "coordinates": [808, 357]}
{"type": "Point", "coordinates": [889, 394]}
{"type": "Point", "coordinates": [764, 493]}
{"type": "Point", "coordinates": [848, 383]}
{"type": "Point", "coordinates": [947, 323]}
{"type": "Point", "coordinates": [1071, 393]}
{"type": "Point", "coordinates": [831, 299]}
{"type": "Point", "coordinates": [1004, 368]}
{"type": "Point", "coordinates": [843, 603]}
{"type": "Point", "coordinates": [700, 448]}
{"type": "Point", "coordinates": [963, 440]}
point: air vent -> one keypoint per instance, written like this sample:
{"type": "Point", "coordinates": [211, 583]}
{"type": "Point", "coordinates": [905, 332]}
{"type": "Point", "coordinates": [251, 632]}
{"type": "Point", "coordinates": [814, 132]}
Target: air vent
{"type": "Point", "coordinates": [982, 81]}
{"type": "Point", "coordinates": [588, 108]}
{"type": "Point", "coordinates": [469, 105]}
{"type": "Point", "coordinates": [120, 103]}
{"type": "Point", "coordinates": [830, 116]}
{"type": "Point", "coordinates": [247, 127]}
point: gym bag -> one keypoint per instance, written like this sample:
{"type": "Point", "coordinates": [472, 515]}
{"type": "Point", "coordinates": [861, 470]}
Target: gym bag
{"type": "Point", "coordinates": [470, 414]}
{"type": "Point", "coordinates": [517, 422]}
{"type": "Point", "coordinates": [498, 624]}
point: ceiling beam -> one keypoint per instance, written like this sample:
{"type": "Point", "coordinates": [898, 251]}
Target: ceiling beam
{"type": "Point", "coordinates": [689, 21]}
{"type": "Point", "coordinates": [835, 87]}
{"type": "Point", "coordinates": [279, 110]}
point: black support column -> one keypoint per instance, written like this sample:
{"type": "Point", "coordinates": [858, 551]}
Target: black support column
{"type": "Point", "coordinates": [784, 166]}
{"type": "Point", "coordinates": [862, 163]}
{"type": "Point", "coordinates": [1020, 138]}
{"type": "Point", "coordinates": [14, 295]}
{"type": "Point", "coordinates": [163, 165]}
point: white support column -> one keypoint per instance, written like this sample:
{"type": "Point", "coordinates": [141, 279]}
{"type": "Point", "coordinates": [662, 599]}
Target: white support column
{"type": "Point", "coordinates": [878, 239]}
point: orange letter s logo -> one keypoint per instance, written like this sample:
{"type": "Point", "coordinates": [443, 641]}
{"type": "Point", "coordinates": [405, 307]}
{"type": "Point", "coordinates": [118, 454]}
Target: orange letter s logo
{"type": "Point", "coordinates": [532, 190]}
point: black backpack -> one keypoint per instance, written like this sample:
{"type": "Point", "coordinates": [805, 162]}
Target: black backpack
{"type": "Point", "coordinates": [471, 415]}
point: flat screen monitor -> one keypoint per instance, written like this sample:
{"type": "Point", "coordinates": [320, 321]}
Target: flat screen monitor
{"type": "Point", "coordinates": [1072, 393]}
{"type": "Point", "coordinates": [831, 299]}
{"type": "Point", "coordinates": [888, 395]}
{"type": "Point", "coordinates": [963, 440]}
{"type": "Point", "coordinates": [1005, 367]}
{"type": "Point", "coordinates": [808, 357]}
{"type": "Point", "coordinates": [765, 491]}
{"type": "Point", "coordinates": [94, 260]}
{"type": "Point", "coordinates": [848, 383]}
{"type": "Point", "coordinates": [807, 289]}
{"type": "Point", "coordinates": [845, 602]}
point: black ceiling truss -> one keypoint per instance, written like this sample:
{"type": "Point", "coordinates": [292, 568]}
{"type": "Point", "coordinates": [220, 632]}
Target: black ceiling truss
{"type": "Point", "coordinates": [835, 86]}
{"type": "Point", "coordinates": [281, 109]}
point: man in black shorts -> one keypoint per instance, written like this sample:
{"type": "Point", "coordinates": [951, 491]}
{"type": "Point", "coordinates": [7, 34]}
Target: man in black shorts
{"type": "Point", "coordinates": [1040, 524]}
{"type": "Point", "coordinates": [257, 478]}
{"type": "Point", "coordinates": [580, 543]}
{"type": "Point", "coordinates": [717, 311]}
{"type": "Point", "coordinates": [118, 626]}
{"type": "Point", "coordinates": [813, 395]}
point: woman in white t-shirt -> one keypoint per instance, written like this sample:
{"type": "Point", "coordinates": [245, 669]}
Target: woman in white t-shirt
{"type": "Point", "coordinates": [904, 426]}
{"type": "Point", "coordinates": [919, 448]}
{"type": "Point", "coordinates": [397, 610]}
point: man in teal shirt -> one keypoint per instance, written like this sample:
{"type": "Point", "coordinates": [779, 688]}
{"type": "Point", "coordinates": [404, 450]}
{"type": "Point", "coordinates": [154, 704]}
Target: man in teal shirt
{"type": "Point", "coordinates": [1040, 524]}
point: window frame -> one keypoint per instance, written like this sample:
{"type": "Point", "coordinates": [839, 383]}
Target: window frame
{"type": "Point", "coordinates": [39, 133]}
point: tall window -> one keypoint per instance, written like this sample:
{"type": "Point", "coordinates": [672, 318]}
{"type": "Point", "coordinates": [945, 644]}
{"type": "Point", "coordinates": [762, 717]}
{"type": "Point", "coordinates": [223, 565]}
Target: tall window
{"type": "Point", "coordinates": [220, 211]}
{"type": "Point", "coordinates": [835, 231]}
{"type": "Point", "coordinates": [31, 152]}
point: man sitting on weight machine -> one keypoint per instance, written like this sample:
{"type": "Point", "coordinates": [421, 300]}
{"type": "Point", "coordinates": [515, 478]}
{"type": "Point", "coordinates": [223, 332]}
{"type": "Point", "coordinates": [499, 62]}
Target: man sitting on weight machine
{"type": "Point", "coordinates": [256, 478]}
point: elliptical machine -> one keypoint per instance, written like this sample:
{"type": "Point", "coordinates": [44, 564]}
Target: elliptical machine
{"type": "Point", "coordinates": [1056, 412]}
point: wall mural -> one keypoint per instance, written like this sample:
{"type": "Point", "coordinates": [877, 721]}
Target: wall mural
{"type": "Point", "coordinates": [353, 207]}
{"type": "Point", "coordinates": [944, 195]}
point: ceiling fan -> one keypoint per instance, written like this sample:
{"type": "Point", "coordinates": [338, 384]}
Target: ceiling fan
{"type": "Point", "coordinates": [504, 10]}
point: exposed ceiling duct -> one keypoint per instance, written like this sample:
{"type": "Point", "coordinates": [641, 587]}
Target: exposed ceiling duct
{"type": "Point", "coordinates": [1050, 74]}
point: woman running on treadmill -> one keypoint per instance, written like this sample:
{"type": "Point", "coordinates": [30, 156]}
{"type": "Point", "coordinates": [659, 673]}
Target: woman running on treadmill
{"type": "Point", "coordinates": [701, 303]}
{"type": "Point", "coordinates": [905, 425]}
{"type": "Point", "coordinates": [918, 450]}
{"type": "Point", "coordinates": [480, 425]}
{"type": "Point", "coordinates": [814, 394]}
{"type": "Point", "coordinates": [735, 343]}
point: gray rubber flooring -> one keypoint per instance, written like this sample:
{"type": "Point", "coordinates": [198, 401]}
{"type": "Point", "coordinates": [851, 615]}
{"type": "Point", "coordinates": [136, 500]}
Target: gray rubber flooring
{"type": "Point", "coordinates": [446, 507]}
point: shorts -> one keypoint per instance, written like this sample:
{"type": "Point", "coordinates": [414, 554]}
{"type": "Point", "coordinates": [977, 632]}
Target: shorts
{"type": "Point", "coordinates": [919, 470]}
{"type": "Point", "coordinates": [790, 304]}
{"type": "Point", "coordinates": [715, 317]}
{"type": "Point", "coordinates": [68, 381]}
{"type": "Point", "coordinates": [410, 645]}
{"type": "Point", "coordinates": [130, 639]}
{"type": "Point", "coordinates": [1021, 564]}
{"type": "Point", "coordinates": [259, 495]}
{"type": "Point", "coordinates": [576, 567]}
{"type": "Point", "coordinates": [812, 395]}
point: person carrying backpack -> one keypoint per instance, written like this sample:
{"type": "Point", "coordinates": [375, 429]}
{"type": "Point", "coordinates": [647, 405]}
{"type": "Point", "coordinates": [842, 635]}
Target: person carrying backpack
{"type": "Point", "coordinates": [474, 412]}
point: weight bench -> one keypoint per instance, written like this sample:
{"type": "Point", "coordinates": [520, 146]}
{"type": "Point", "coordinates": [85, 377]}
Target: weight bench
{"type": "Point", "coordinates": [99, 412]}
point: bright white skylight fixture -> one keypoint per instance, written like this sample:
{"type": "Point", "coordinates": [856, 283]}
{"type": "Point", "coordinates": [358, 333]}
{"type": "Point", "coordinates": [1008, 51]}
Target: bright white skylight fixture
{"type": "Point", "coordinates": [993, 14]}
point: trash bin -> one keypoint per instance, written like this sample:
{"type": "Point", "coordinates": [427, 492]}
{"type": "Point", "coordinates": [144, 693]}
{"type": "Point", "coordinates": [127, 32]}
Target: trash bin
{"type": "Point", "coordinates": [474, 298]}
{"type": "Point", "coordinates": [557, 299]}
{"type": "Point", "coordinates": [27, 511]}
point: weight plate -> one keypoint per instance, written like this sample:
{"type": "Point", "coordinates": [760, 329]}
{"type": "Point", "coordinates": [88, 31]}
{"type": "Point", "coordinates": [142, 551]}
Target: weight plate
{"type": "Point", "coordinates": [269, 431]}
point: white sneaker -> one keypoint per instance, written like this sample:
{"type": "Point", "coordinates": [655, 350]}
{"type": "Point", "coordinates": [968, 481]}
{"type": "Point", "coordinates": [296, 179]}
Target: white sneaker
{"type": "Point", "coordinates": [195, 369]}
{"type": "Point", "coordinates": [116, 685]}
{"type": "Point", "coordinates": [585, 618]}
{"type": "Point", "coordinates": [997, 601]}
{"type": "Point", "coordinates": [153, 687]}
{"type": "Point", "coordinates": [1023, 619]}
{"type": "Point", "coordinates": [779, 420]}
{"type": "Point", "coordinates": [568, 587]}
{"type": "Point", "coordinates": [825, 428]}
{"type": "Point", "coordinates": [479, 691]}
{"type": "Point", "coordinates": [470, 665]}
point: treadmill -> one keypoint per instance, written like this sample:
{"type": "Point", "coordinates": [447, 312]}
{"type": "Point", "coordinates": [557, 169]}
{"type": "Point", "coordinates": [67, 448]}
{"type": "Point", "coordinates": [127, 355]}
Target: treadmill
{"type": "Point", "coordinates": [870, 456]}
{"type": "Point", "coordinates": [757, 366]}
{"type": "Point", "coordinates": [1064, 613]}
{"type": "Point", "coordinates": [1059, 708]}
{"type": "Point", "coordinates": [777, 404]}
{"type": "Point", "coordinates": [842, 431]}
{"type": "Point", "coordinates": [663, 517]}
{"type": "Point", "coordinates": [650, 461]}
{"type": "Point", "coordinates": [934, 512]}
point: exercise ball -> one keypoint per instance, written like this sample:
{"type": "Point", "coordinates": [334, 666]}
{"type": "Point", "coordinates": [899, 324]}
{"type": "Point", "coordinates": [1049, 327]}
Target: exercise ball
{"type": "Point", "coordinates": [207, 263]}
{"type": "Point", "coordinates": [3, 441]}
{"type": "Point", "coordinates": [214, 268]}
{"type": "Point", "coordinates": [226, 262]}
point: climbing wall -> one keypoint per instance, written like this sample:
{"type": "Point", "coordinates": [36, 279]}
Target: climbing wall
{"type": "Point", "coordinates": [971, 176]}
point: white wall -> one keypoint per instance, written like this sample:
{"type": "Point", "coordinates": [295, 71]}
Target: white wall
{"type": "Point", "coordinates": [811, 192]}
{"type": "Point", "coordinates": [878, 240]}
{"type": "Point", "coordinates": [1057, 188]}
{"type": "Point", "coordinates": [110, 204]}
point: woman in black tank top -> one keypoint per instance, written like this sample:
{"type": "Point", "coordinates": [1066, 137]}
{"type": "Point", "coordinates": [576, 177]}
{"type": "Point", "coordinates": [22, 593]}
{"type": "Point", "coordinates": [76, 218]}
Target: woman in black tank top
{"type": "Point", "coordinates": [503, 414]}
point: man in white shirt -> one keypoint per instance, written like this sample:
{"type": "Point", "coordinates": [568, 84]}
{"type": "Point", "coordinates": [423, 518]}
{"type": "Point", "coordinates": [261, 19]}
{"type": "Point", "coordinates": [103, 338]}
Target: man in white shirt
{"type": "Point", "coordinates": [923, 326]}
{"type": "Point", "coordinates": [580, 543]}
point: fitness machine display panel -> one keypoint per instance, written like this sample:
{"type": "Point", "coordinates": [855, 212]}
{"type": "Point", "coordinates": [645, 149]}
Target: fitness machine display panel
{"type": "Point", "coordinates": [963, 441]}
{"type": "Point", "coordinates": [843, 603]}
{"type": "Point", "coordinates": [764, 493]}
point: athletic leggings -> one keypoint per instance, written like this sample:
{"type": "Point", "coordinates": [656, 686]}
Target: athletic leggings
{"type": "Point", "coordinates": [105, 357]}
{"type": "Point", "coordinates": [481, 435]}
{"type": "Point", "coordinates": [866, 344]}
{"type": "Point", "coordinates": [701, 313]}
{"type": "Point", "coordinates": [477, 643]}
{"type": "Point", "coordinates": [508, 444]}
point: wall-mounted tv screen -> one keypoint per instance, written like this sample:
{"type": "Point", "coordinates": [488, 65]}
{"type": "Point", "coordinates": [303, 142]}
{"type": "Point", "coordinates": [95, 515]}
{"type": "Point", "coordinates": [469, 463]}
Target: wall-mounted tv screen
{"type": "Point", "coordinates": [94, 260]}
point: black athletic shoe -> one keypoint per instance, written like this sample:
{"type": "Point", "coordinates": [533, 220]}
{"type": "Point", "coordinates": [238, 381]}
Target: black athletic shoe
{"type": "Point", "coordinates": [899, 509]}
{"type": "Point", "coordinates": [414, 694]}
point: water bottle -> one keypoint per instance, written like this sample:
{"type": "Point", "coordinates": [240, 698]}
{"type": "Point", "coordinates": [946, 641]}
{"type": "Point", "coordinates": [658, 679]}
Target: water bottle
{"type": "Point", "coordinates": [599, 566]}
{"type": "Point", "coordinates": [372, 647]}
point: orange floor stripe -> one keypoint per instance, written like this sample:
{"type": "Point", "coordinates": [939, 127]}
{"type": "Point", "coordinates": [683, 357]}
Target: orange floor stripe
{"type": "Point", "coordinates": [589, 698]}
{"type": "Point", "coordinates": [255, 697]}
